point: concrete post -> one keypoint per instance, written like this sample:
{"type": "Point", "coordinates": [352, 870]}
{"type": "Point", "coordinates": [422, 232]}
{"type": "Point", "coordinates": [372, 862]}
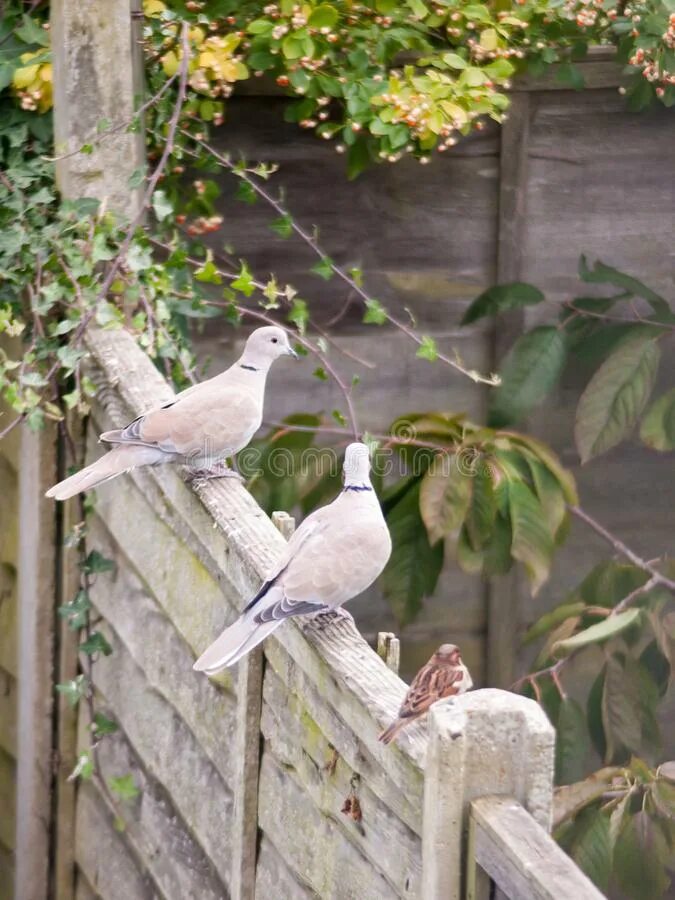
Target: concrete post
{"type": "Point", "coordinates": [485, 742]}
{"type": "Point", "coordinates": [98, 80]}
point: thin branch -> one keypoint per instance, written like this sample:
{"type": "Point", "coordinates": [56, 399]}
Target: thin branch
{"type": "Point", "coordinates": [621, 548]}
{"type": "Point", "coordinates": [311, 242]}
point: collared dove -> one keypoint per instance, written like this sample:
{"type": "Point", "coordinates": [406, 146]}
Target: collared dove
{"type": "Point", "coordinates": [337, 552]}
{"type": "Point", "coordinates": [445, 675]}
{"type": "Point", "coordinates": [201, 427]}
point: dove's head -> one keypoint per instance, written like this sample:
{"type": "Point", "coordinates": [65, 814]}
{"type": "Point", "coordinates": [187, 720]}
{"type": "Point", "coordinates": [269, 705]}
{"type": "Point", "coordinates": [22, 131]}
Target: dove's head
{"type": "Point", "coordinates": [448, 653]}
{"type": "Point", "coordinates": [356, 468]}
{"type": "Point", "coordinates": [264, 345]}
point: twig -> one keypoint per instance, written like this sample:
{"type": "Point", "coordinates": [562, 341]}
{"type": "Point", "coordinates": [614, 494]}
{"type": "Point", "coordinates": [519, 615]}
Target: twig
{"type": "Point", "coordinates": [621, 548]}
{"type": "Point", "coordinates": [311, 241]}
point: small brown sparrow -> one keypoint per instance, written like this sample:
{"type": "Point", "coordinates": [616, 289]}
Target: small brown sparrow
{"type": "Point", "coordinates": [443, 676]}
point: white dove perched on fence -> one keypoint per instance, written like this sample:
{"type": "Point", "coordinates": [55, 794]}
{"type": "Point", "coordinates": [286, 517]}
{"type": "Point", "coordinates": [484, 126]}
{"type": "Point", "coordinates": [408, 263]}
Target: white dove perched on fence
{"type": "Point", "coordinates": [201, 427]}
{"type": "Point", "coordinates": [337, 552]}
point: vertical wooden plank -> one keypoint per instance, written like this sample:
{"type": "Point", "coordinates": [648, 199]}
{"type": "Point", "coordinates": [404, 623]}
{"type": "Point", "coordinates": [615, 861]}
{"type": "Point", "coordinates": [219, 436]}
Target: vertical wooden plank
{"type": "Point", "coordinates": [97, 76]}
{"type": "Point", "coordinates": [484, 742]}
{"type": "Point", "coordinates": [66, 716]}
{"type": "Point", "coordinates": [36, 592]}
{"type": "Point", "coordinates": [247, 754]}
{"type": "Point", "coordinates": [502, 593]}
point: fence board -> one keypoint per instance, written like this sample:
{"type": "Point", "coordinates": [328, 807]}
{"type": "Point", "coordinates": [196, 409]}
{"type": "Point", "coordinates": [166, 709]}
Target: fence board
{"type": "Point", "coordinates": [521, 857]}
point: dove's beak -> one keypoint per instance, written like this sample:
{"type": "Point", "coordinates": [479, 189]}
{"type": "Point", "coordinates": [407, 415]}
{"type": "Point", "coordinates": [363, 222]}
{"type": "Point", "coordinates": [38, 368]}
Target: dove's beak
{"type": "Point", "coordinates": [291, 352]}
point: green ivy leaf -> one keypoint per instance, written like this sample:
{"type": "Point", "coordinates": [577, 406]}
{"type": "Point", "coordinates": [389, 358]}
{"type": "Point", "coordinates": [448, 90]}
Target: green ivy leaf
{"type": "Point", "coordinates": [283, 226]}
{"type": "Point", "coordinates": [427, 349]}
{"type": "Point", "coordinates": [657, 429]}
{"type": "Point", "coordinates": [615, 397]}
{"type": "Point", "coordinates": [375, 313]}
{"type": "Point", "coordinates": [324, 268]}
{"type": "Point", "coordinates": [531, 369]}
{"type": "Point", "coordinates": [75, 612]}
{"type": "Point", "coordinates": [299, 314]}
{"type": "Point", "coordinates": [502, 297]}
{"type": "Point", "coordinates": [124, 787]}
{"type": "Point", "coordinates": [96, 563]}
{"type": "Point", "coordinates": [244, 281]}
{"type": "Point", "coordinates": [161, 205]}
{"type": "Point", "coordinates": [96, 643]}
{"type": "Point", "coordinates": [102, 725]}
{"type": "Point", "coordinates": [414, 567]}
{"type": "Point", "coordinates": [74, 690]}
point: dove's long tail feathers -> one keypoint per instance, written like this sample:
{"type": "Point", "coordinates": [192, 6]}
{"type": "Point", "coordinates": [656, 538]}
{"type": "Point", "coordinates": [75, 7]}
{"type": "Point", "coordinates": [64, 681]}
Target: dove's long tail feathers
{"type": "Point", "coordinates": [235, 642]}
{"type": "Point", "coordinates": [114, 463]}
{"type": "Point", "coordinates": [390, 733]}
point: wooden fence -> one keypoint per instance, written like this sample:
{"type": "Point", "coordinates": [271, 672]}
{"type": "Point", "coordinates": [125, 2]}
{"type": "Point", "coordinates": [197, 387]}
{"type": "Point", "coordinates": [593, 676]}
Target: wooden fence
{"type": "Point", "coordinates": [268, 781]}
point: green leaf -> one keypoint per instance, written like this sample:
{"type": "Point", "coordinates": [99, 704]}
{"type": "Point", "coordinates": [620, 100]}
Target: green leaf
{"type": "Point", "coordinates": [299, 314]}
{"type": "Point", "coordinates": [414, 567]}
{"type": "Point", "coordinates": [615, 397]}
{"type": "Point", "coordinates": [137, 177]}
{"type": "Point", "coordinates": [244, 281]}
{"type": "Point", "coordinates": [375, 313]}
{"type": "Point", "coordinates": [572, 742]}
{"type": "Point", "coordinates": [480, 518]}
{"type": "Point", "coordinates": [84, 768]}
{"type": "Point", "coordinates": [532, 543]}
{"type": "Point", "coordinates": [639, 858]}
{"type": "Point", "coordinates": [530, 371]}
{"type": "Point", "coordinates": [283, 226]}
{"type": "Point", "coordinates": [323, 16]}
{"type": "Point", "coordinates": [102, 725]}
{"type": "Point", "coordinates": [592, 848]}
{"type": "Point", "coordinates": [324, 268]}
{"type": "Point", "coordinates": [75, 612]}
{"type": "Point", "coordinates": [31, 32]}
{"type": "Point", "coordinates": [657, 429]}
{"type": "Point", "coordinates": [427, 349]}
{"type": "Point", "coordinates": [621, 707]}
{"type": "Point", "coordinates": [161, 205]}
{"type": "Point", "coordinates": [601, 631]}
{"type": "Point", "coordinates": [96, 563]}
{"type": "Point", "coordinates": [74, 690]}
{"type": "Point", "coordinates": [455, 61]}
{"type": "Point", "coordinates": [502, 297]}
{"type": "Point", "coordinates": [96, 643]}
{"type": "Point", "coordinates": [124, 787]}
{"type": "Point", "coordinates": [550, 494]}
{"type": "Point", "coordinates": [551, 620]}
{"type": "Point", "coordinates": [445, 494]}
{"type": "Point", "coordinates": [602, 274]}
{"type": "Point", "coordinates": [571, 75]}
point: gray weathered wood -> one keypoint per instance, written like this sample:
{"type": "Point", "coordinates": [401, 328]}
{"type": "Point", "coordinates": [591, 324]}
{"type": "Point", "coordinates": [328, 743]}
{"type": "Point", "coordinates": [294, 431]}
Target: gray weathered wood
{"type": "Point", "coordinates": [389, 649]}
{"type": "Point", "coordinates": [35, 594]}
{"type": "Point", "coordinates": [98, 74]}
{"type": "Point", "coordinates": [521, 857]}
{"type": "Point", "coordinates": [483, 742]}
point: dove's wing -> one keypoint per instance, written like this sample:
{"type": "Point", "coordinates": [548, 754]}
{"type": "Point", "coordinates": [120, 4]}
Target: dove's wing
{"type": "Point", "coordinates": [208, 418]}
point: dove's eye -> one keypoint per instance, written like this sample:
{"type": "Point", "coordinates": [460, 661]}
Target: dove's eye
{"type": "Point", "coordinates": [275, 340]}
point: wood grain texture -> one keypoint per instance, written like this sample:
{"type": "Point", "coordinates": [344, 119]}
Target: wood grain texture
{"type": "Point", "coordinates": [521, 857]}
{"type": "Point", "coordinates": [36, 592]}
{"type": "Point", "coordinates": [8, 713]}
{"type": "Point", "coordinates": [326, 779]}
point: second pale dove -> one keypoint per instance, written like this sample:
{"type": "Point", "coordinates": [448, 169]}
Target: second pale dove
{"type": "Point", "coordinates": [201, 427]}
{"type": "Point", "coordinates": [335, 554]}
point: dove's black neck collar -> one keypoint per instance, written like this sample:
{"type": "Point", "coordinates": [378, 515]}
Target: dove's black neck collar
{"type": "Point", "coordinates": [357, 487]}
{"type": "Point", "coordinates": [248, 368]}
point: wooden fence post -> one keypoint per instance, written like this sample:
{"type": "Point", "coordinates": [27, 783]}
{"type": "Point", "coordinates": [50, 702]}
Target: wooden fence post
{"type": "Point", "coordinates": [484, 742]}
{"type": "Point", "coordinates": [247, 756]}
{"type": "Point", "coordinates": [98, 80]}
